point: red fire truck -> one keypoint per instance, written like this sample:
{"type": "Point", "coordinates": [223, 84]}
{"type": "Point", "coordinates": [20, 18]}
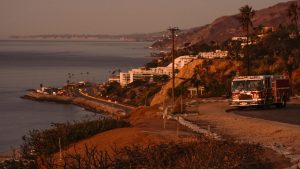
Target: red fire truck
{"type": "Point", "coordinates": [260, 91]}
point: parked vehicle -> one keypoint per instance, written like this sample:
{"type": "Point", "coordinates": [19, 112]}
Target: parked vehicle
{"type": "Point", "coordinates": [260, 91]}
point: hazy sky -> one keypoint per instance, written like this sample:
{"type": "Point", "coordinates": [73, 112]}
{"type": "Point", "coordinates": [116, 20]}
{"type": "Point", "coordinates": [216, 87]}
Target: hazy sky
{"type": "Point", "coordinates": [23, 17]}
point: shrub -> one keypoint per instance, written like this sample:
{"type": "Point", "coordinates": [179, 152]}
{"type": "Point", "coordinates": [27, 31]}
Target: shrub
{"type": "Point", "coordinates": [18, 164]}
{"type": "Point", "coordinates": [201, 154]}
{"type": "Point", "coordinates": [45, 142]}
{"type": "Point", "coordinates": [161, 78]}
{"type": "Point", "coordinates": [181, 89]}
{"type": "Point", "coordinates": [114, 88]}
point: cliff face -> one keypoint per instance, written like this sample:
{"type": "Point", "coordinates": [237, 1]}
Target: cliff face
{"type": "Point", "coordinates": [226, 27]}
{"type": "Point", "coordinates": [186, 72]}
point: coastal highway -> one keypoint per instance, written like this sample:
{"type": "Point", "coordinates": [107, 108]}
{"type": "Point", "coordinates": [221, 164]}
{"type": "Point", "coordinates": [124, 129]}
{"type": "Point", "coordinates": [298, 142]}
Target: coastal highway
{"type": "Point", "coordinates": [290, 114]}
{"type": "Point", "coordinates": [125, 108]}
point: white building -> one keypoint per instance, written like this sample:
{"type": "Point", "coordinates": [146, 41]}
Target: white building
{"type": "Point", "coordinates": [243, 40]}
{"type": "Point", "coordinates": [239, 38]}
{"type": "Point", "coordinates": [147, 74]}
{"type": "Point", "coordinates": [124, 78]}
{"type": "Point", "coordinates": [115, 78]}
{"type": "Point", "coordinates": [212, 55]}
{"type": "Point", "coordinates": [162, 71]}
{"type": "Point", "coordinates": [142, 74]}
{"type": "Point", "coordinates": [181, 61]}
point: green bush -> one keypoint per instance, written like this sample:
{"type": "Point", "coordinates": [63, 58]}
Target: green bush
{"type": "Point", "coordinates": [181, 89]}
{"type": "Point", "coordinates": [45, 142]}
{"type": "Point", "coordinates": [114, 88]}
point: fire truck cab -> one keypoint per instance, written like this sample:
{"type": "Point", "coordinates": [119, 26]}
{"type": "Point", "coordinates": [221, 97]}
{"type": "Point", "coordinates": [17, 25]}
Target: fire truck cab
{"type": "Point", "coordinates": [260, 91]}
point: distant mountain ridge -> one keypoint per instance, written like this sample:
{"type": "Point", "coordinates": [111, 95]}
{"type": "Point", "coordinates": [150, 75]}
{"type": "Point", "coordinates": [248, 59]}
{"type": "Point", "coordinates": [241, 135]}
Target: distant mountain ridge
{"type": "Point", "coordinates": [226, 27]}
{"type": "Point", "coordinates": [126, 37]}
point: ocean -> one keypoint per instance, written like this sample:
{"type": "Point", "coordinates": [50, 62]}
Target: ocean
{"type": "Point", "coordinates": [26, 64]}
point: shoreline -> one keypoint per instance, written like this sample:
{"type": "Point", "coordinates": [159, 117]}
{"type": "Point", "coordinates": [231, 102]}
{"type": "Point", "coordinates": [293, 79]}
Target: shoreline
{"type": "Point", "coordinates": [6, 155]}
{"type": "Point", "coordinates": [87, 104]}
{"type": "Point", "coordinates": [90, 105]}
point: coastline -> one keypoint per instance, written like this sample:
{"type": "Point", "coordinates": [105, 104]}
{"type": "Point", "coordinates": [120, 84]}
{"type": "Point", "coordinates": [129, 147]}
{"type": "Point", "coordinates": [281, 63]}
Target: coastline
{"type": "Point", "coordinates": [6, 155]}
{"type": "Point", "coordinates": [147, 125]}
{"type": "Point", "coordinates": [87, 104]}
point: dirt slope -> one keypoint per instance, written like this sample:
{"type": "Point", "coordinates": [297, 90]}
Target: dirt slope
{"type": "Point", "coordinates": [186, 72]}
{"type": "Point", "coordinates": [147, 129]}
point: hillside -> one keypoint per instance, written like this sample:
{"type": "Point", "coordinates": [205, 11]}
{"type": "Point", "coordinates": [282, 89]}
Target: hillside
{"type": "Point", "coordinates": [186, 72]}
{"type": "Point", "coordinates": [222, 70]}
{"type": "Point", "coordinates": [226, 27]}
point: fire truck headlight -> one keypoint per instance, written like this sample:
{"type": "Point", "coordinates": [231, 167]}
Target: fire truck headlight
{"type": "Point", "coordinates": [255, 96]}
{"type": "Point", "coordinates": [235, 97]}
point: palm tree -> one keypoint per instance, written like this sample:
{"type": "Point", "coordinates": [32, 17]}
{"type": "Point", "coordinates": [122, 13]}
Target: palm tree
{"type": "Point", "coordinates": [245, 19]}
{"type": "Point", "coordinates": [293, 14]}
{"type": "Point", "coordinates": [234, 48]}
{"type": "Point", "coordinates": [87, 74]}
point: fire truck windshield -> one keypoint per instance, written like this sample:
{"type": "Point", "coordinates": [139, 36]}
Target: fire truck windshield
{"type": "Point", "coordinates": [247, 85]}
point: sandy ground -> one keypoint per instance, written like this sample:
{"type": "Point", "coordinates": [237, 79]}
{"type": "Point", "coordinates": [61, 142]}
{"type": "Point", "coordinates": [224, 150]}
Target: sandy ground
{"type": "Point", "coordinates": [262, 128]}
{"type": "Point", "coordinates": [148, 128]}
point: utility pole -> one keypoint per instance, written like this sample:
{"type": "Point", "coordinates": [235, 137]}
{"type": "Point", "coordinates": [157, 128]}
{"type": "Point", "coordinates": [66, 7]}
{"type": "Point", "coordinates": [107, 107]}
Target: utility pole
{"type": "Point", "coordinates": [146, 99]}
{"type": "Point", "coordinates": [247, 52]}
{"type": "Point", "coordinates": [173, 30]}
{"type": "Point", "coordinates": [59, 145]}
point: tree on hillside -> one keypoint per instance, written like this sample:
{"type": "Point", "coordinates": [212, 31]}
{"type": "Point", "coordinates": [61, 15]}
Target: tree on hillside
{"type": "Point", "coordinates": [114, 72]}
{"type": "Point", "coordinates": [292, 64]}
{"type": "Point", "coordinates": [245, 19]}
{"type": "Point", "coordinates": [258, 30]}
{"type": "Point", "coordinates": [293, 14]}
{"type": "Point", "coordinates": [281, 45]}
{"type": "Point", "coordinates": [194, 49]}
{"type": "Point", "coordinates": [233, 47]}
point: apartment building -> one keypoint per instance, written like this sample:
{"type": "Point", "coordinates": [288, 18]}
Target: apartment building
{"type": "Point", "coordinates": [147, 74]}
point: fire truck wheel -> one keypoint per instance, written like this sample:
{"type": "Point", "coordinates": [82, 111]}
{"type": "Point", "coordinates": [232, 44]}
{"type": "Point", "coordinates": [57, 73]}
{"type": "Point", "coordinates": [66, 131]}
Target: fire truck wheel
{"type": "Point", "coordinates": [283, 101]}
{"type": "Point", "coordinates": [278, 105]}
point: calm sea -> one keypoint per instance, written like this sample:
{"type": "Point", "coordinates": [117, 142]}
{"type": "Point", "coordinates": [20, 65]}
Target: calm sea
{"type": "Point", "coordinates": [26, 64]}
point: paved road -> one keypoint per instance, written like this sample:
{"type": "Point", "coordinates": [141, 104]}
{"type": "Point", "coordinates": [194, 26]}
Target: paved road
{"type": "Point", "coordinates": [290, 114]}
{"type": "Point", "coordinates": [127, 109]}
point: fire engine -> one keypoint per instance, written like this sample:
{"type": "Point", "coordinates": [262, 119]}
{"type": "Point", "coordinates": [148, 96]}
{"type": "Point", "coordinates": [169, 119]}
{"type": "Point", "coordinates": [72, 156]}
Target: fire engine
{"type": "Point", "coordinates": [260, 91]}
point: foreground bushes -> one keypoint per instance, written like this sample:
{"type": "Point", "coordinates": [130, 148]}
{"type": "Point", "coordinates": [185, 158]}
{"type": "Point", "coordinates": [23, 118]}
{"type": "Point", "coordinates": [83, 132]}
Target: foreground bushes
{"type": "Point", "coordinates": [200, 154]}
{"type": "Point", "coordinates": [46, 142]}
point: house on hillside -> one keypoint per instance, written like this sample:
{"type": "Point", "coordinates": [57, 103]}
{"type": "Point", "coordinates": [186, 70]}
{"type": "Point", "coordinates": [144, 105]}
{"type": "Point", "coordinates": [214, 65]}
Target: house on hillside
{"type": "Point", "coordinates": [180, 61]}
{"type": "Point", "coordinates": [114, 78]}
{"type": "Point", "coordinates": [213, 55]}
